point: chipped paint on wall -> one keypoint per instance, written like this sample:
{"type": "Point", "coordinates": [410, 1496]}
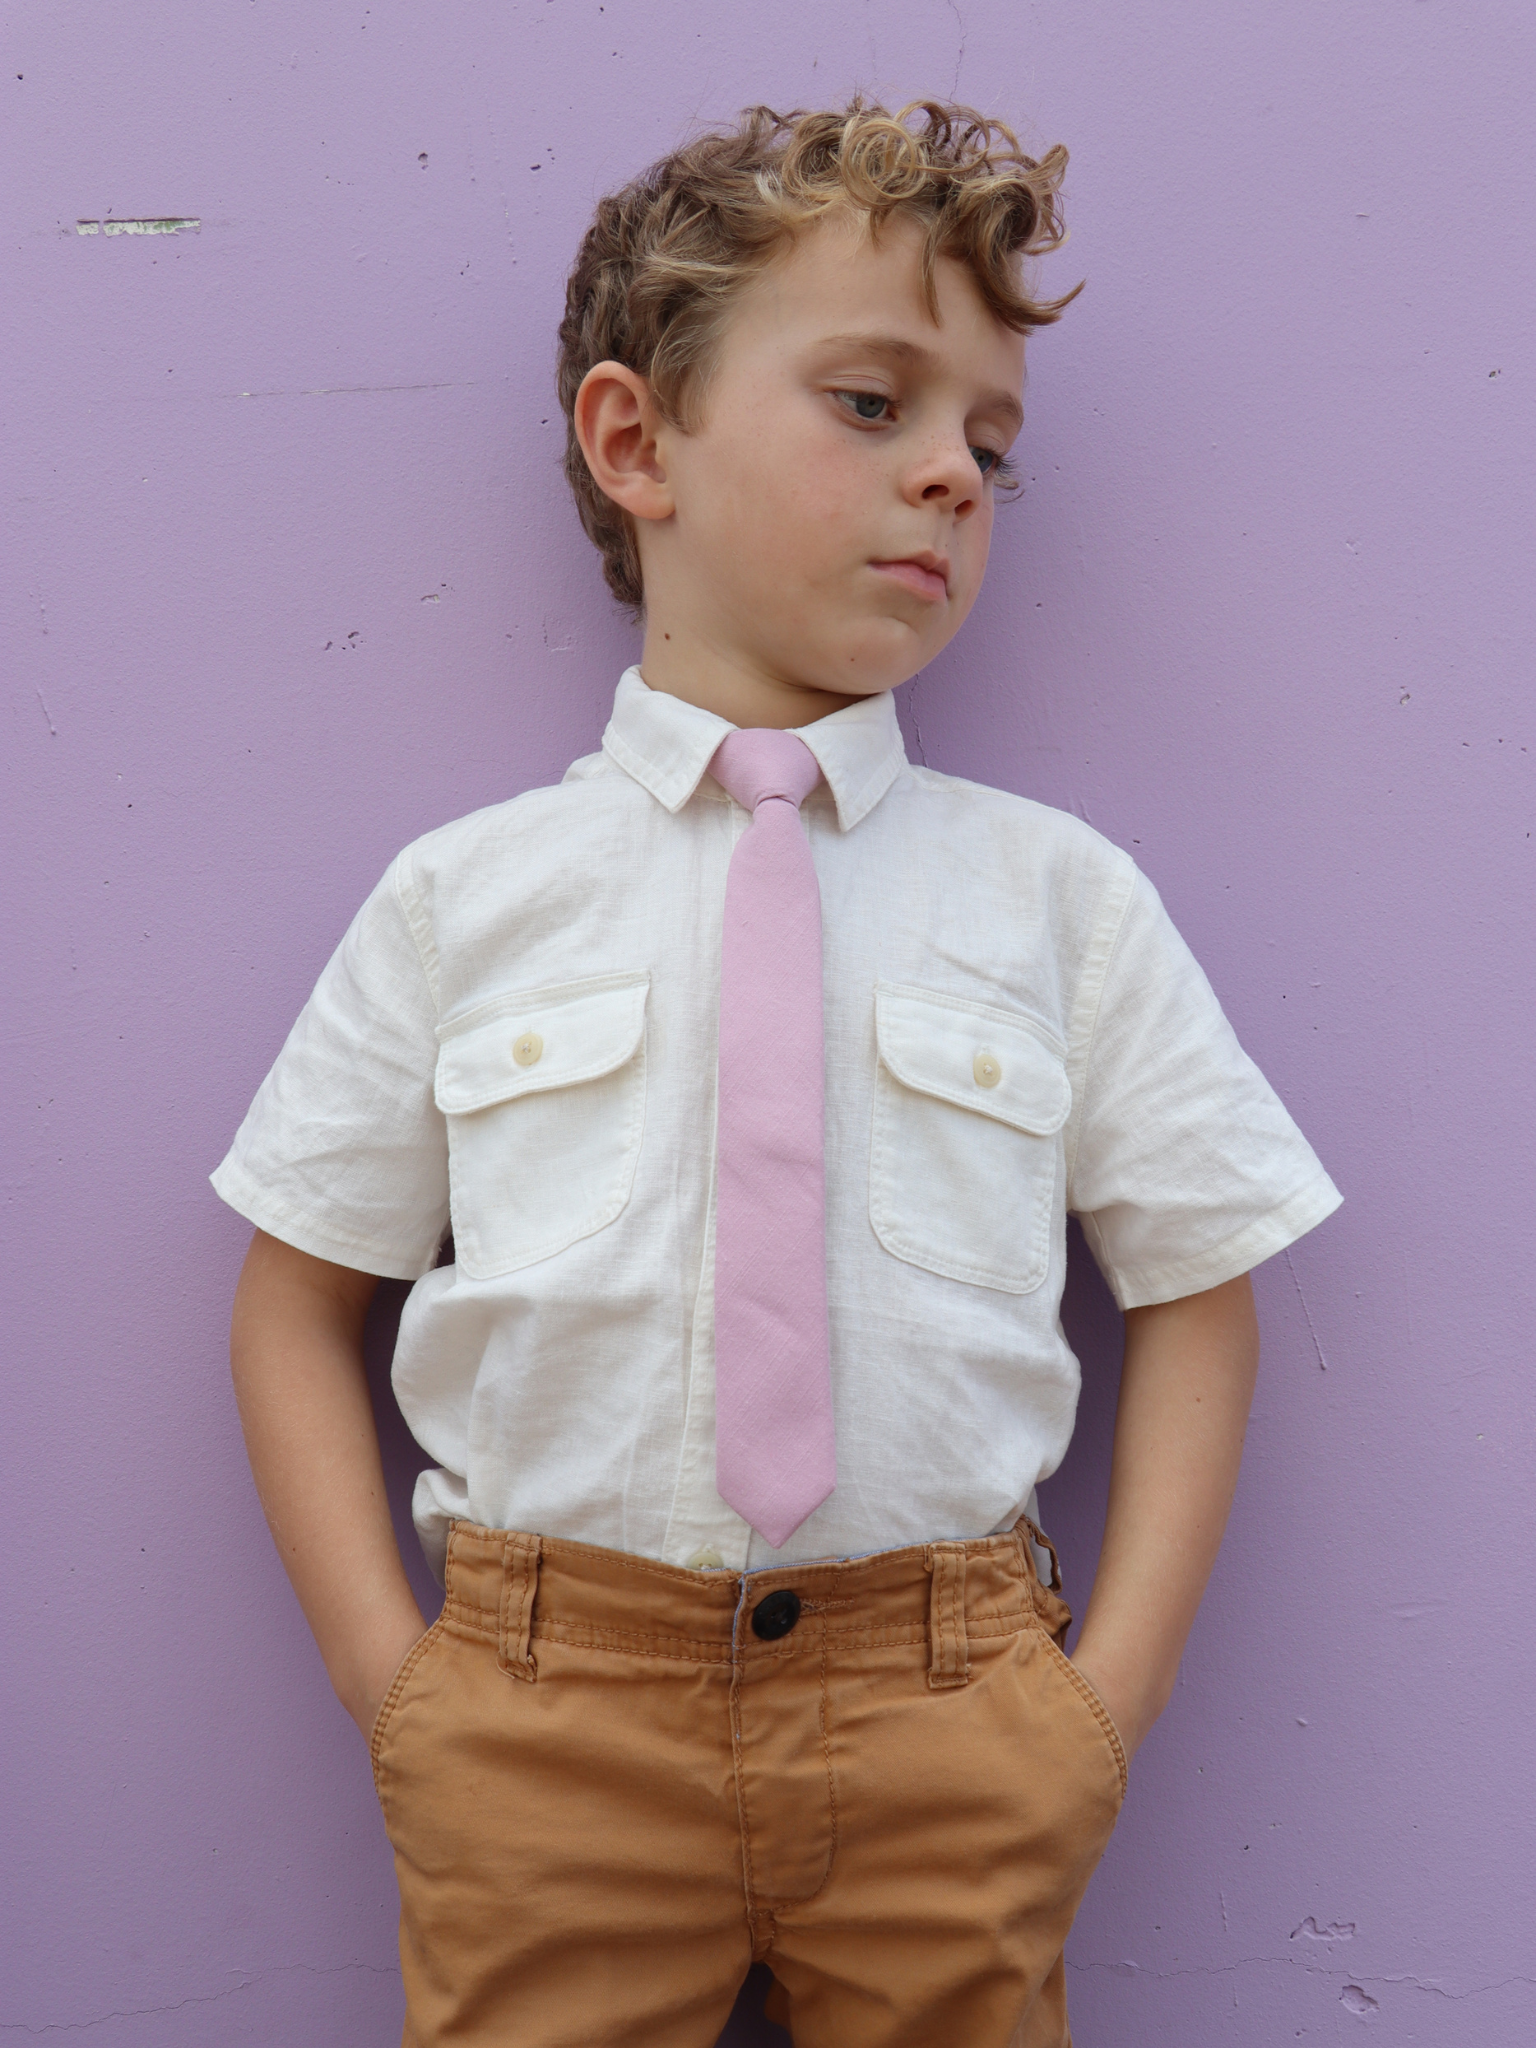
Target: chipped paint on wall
{"type": "Point", "coordinates": [169, 224]}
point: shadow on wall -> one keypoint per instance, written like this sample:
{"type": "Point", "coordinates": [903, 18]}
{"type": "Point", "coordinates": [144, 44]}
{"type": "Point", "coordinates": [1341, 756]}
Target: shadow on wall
{"type": "Point", "coordinates": [1071, 1506]}
{"type": "Point", "coordinates": [1072, 1503]}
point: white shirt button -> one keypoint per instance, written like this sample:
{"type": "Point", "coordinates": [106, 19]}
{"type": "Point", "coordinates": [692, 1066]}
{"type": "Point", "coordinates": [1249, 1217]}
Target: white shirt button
{"type": "Point", "coordinates": [986, 1069]}
{"type": "Point", "coordinates": [706, 1560]}
{"type": "Point", "coordinates": [528, 1050]}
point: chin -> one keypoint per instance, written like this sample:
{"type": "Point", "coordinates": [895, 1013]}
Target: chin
{"type": "Point", "coordinates": [883, 658]}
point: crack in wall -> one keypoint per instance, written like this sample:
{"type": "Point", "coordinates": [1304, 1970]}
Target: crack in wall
{"type": "Point", "coordinates": [917, 728]}
{"type": "Point", "coordinates": [1312, 1327]}
{"type": "Point", "coordinates": [954, 88]}
{"type": "Point", "coordinates": [140, 2012]}
{"type": "Point", "coordinates": [1346, 1978]}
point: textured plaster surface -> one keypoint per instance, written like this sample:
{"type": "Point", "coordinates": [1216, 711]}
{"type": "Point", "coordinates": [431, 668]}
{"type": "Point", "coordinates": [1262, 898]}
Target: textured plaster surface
{"type": "Point", "coordinates": [291, 578]}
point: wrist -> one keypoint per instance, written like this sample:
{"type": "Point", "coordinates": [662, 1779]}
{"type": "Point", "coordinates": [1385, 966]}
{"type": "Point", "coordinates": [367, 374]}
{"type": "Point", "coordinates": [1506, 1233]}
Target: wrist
{"type": "Point", "coordinates": [364, 1677]}
{"type": "Point", "coordinates": [1133, 1693]}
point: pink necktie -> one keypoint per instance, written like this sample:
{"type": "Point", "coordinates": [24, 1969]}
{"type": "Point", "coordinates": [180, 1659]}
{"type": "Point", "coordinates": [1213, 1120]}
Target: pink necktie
{"type": "Point", "coordinates": [774, 1454]}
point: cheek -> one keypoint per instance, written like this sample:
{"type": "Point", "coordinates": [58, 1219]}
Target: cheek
{"type": "Point", "coordinates": [968, 557]}
{"type": "Point", "coordinates": [793, 487]}
{"type": "Point", "coordinates": [829, 511]}
{"type": "Point", "coordinates": [976, 542]}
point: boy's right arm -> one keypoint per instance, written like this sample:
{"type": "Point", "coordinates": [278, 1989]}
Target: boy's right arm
{"type": "Point", "coordinates": [296, 1353]}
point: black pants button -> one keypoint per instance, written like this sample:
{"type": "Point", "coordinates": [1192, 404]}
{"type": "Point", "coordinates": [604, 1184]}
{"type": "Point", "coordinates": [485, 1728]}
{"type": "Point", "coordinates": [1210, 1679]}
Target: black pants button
{"type": "Point", "coordinates": [775, 1614]}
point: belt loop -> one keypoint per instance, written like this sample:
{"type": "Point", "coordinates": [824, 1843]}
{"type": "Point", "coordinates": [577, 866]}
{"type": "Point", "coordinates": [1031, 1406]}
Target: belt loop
{"type": "Point", "coordinates": [949, 1662]}
{"type": "Point", "coordinates": [1038, 1537]}
{"type": "Point", "coordinates": [519, 1582]}
{"type": "Point", "coordinates": [448, 1564]}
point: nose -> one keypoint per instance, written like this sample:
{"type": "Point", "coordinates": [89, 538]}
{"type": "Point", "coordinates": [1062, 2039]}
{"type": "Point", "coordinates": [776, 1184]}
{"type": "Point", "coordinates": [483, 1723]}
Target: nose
{"type": "Point", "coordinates": [946, 475]}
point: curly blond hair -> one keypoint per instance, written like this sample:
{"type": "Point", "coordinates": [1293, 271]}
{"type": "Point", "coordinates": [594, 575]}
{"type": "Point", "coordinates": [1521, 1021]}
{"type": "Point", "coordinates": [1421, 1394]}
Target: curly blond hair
{"type": "Point", "coordinates": [665, 257]}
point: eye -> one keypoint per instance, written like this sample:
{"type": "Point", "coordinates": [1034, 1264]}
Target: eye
{"type": "Point", "coordinates": [996, 468]}
{"type": "Point", "coordinates": [865, 405]}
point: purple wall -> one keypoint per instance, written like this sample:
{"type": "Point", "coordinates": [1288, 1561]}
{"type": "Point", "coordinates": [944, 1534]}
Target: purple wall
{"type": "Point", "coordinates": [293, 578]}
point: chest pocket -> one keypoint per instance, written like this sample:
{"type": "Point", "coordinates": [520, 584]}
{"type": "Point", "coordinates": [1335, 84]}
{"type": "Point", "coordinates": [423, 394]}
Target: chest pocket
{"type": "Point", "coordinates": [544, 1094]}
{"type": "Point", "coordinates": [965, 1152]}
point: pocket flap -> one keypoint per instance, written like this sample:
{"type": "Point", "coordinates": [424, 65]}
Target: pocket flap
{"type": "Point", "coordinates": [974, 1056]}
{"type": "Point", "coordinates": [548, 1038]}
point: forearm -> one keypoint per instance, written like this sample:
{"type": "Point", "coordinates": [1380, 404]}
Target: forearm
{"type": "Point", "coordinates": [1185, 1393]}
{"type": "Point", "coordinates": [297, 1361]}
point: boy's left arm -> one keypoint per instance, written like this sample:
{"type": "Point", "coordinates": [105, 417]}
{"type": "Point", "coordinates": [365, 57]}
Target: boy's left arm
{"type": "Point", "coordinates": [1185, 1393]}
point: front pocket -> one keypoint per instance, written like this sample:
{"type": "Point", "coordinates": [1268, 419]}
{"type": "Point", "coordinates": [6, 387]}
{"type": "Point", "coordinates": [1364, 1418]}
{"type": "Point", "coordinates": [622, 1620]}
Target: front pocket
{"type": "Point", "coordinates": [965, 1151]}
{"type": "Point", "coordinates": [544, 1095]}
{"type": "Point", "coordinates": [1103, 1720]}
{"type": "Point", "coordinates": [402, 1678]}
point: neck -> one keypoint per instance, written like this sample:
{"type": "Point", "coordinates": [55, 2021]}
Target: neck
{"type": "Point", "coordinates": [732, 687]}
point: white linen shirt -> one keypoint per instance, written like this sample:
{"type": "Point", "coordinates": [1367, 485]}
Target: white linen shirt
{"type": "Point", "coordinates": [518, 1033]}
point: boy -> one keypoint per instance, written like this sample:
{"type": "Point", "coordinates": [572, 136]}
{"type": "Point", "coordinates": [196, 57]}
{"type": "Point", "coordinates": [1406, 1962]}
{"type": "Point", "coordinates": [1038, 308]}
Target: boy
{"type": "Point", "coordinates": [757, 1071]}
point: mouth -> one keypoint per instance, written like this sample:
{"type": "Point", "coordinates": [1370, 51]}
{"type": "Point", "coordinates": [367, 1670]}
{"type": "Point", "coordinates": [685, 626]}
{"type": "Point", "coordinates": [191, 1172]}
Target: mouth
{"type": "Point", "coordinates": [925, 575]}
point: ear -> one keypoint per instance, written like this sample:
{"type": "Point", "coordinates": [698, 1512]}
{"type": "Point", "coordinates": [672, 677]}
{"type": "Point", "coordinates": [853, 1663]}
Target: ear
{"type": "Point", "coordinates": [617, 425]}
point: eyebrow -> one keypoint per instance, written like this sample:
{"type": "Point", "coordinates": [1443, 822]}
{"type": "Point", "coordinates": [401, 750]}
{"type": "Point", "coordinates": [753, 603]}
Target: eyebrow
{"type": "Point", "coordinates": [896, 348]}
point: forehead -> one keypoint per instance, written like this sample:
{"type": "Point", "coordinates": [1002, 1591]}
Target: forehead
{"type": "Point", "coordinates": [841, 278]}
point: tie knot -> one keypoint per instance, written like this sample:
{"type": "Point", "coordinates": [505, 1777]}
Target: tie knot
{"type": "Point", "coordinates": [759, 763]}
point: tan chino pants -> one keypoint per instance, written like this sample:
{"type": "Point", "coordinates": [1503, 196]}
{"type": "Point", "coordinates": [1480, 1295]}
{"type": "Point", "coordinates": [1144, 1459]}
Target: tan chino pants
{"type": "Point", "coordinates": [612, 1784]}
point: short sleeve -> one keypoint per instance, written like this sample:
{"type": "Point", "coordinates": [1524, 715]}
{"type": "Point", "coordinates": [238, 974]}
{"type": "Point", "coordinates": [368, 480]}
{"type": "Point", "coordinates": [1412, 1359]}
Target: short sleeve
{"type": "Point", "coordinates": [343, 1153]}
{"type": "Point", "coordinates": [1186, 1169]}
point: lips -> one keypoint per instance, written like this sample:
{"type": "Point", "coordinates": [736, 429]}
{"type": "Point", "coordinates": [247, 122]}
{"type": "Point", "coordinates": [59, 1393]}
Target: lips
{"type": "Point", "coordinates": [926, 576]}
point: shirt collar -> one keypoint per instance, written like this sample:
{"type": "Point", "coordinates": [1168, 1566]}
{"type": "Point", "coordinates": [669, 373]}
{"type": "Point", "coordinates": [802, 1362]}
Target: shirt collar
{"type": "Point", "coordinates": [666, 745]}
